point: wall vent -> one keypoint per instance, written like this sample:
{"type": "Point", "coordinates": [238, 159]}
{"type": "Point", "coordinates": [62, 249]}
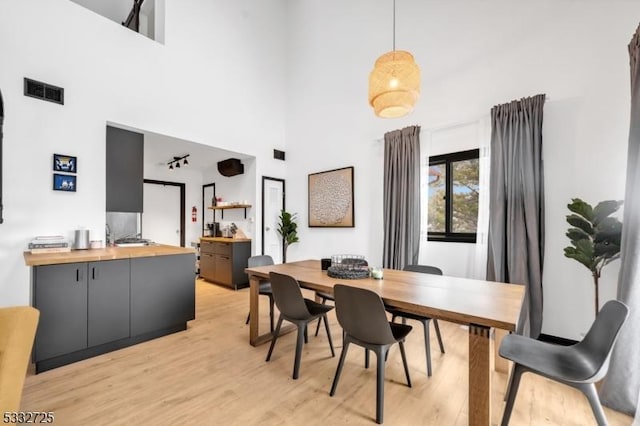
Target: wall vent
{"type": "Point", "coordinates": [44, 91]}
{"type": "Point", "coordinates": [278, 155]}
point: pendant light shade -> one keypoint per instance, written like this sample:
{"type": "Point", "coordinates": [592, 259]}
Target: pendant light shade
{"type": "Point", "coordinates": [394, 84]}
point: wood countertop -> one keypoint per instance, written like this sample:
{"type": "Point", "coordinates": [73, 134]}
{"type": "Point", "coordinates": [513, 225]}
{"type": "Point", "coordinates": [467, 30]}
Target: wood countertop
{"type": "Point", "coordinates": [225, 240]}
{"type": "Point", "coordinates": [108, 253]}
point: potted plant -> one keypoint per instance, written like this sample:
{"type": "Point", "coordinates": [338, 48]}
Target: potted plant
{"type": "Point", "coordinates": [595, 236]}
{"type": "Point", "coordinates": [288, 229]}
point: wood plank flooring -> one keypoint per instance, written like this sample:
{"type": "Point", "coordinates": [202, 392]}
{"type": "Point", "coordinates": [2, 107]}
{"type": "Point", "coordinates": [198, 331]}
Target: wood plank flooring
{"type": "Point", "coordinates": [210, 375]}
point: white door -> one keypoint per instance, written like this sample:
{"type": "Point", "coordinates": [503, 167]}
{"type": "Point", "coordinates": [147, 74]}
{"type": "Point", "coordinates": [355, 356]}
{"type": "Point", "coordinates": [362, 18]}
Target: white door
{"type": "Point", "coordinates": [272, 203]}
{"type": "Point", "coordinates": [161, 214]}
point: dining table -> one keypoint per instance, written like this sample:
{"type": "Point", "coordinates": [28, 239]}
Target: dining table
{"type": "Point", "coordinates": [481, 305]}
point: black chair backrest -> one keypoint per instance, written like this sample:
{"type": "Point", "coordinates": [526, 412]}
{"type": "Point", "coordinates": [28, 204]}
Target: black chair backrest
{"type": "Point", "coordinates": [255, 261]}
{"type": "Point", "coordinates": [425, 269]}
{"type": "Point", "coordinates": [361, 314]}
{"type": "Point", "coordinates": [288, 296]}
{"type": "Point", "coordinates": [598, 343]}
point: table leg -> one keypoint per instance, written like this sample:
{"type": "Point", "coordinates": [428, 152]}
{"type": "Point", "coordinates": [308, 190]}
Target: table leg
{"type": "Point", "coordinates": [479, 375]}
{"type": "Point", "coordinates": [501, 364]}
{"type": "Point", "coordinates": [254, 308]}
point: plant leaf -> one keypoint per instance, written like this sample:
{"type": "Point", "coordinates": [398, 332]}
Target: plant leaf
{"type": "Point", "coordinates": [576, 234]}
{"type": "Point", "coordinates": [604, 209]}
{"type": "Point", "coordinates": [580, 223]}
{"type": "Point", "coordinates": [573, 253]}
{"type": "Point", "coordinates": [582, 208]}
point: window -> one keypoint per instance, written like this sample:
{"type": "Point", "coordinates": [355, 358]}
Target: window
{"type": "Point", "coordinates": [453, 182]}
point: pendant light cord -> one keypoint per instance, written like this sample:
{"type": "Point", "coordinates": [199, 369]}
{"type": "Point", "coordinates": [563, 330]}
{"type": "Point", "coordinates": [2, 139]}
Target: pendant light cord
{"type": "Point", "coordinates": [394, 25]}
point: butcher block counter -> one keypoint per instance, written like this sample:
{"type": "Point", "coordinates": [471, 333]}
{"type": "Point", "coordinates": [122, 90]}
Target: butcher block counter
{"type": "Point", "coordinates": [99, 300]}
{"type": "Point", "coordinates": [109, 253]}
{"type": "Point", "coordinates": [223, 260]}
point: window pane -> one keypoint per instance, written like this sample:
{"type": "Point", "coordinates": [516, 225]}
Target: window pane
{"type": "Point", "coordinates": [465, 195]}
{"type": "Point", "coordinates": [437, 181]}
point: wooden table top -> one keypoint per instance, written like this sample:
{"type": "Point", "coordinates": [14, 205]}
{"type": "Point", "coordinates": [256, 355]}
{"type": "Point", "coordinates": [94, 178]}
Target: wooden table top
{"type": "Point", "coordinates": [108, 253]}
{"type": "Point", "coordinates": [225, 239]}
{"type": "Point", "coordinates": [459, 300]}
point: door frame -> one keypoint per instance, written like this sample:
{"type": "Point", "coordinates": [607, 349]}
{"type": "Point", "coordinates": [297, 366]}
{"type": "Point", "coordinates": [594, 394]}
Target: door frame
{"type": "Point", "coordinates": [182, 202]}
{"type": "Point", "coordinates": [1, 162]}
{"type": "Point", "coordinates": [284, 197]}
{"type": "Point", "coordinates": [203, 205]}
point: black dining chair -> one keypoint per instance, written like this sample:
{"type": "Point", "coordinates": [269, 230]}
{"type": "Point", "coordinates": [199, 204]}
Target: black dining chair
{"type": "Point", "coordinates": [297, 310]}
{"type": "Point", "coordinates": [362, 316]}
{"type": "Point", "coordinates": [578, 366]}
{"type": "Point", "coordinates": [425, 269]}
{"type": "Point", "coordinates": [265, 287]}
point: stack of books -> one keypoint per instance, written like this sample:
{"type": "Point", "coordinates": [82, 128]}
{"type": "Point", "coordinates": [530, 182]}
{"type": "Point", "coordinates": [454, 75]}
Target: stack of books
{"type": "Point", "coordinates": [49, 244]}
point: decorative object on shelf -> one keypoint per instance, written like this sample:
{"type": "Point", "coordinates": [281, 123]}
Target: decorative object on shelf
{"type": "Point", "coordinates": [595, 236]}
{"type": "Point", "coordinates": [394, 83]}
{"type": "Point", "coordinates": [49, 244]}
{"type": "Point", "coordinates": [176, 161]}
{"type": "Point", "coordinates": [348, 267]}
{"type": "Point", "coordinates": [331, 199]}
{"type": "Point", "coordinates": [65, 163]}
{"type": "Point", "coordinates": [288, 229]}
{"type": "Point", "coordinates": [64, 182]}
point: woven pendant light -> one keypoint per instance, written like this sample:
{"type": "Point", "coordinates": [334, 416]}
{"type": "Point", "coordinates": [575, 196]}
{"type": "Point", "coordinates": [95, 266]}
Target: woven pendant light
{"type": "Point", "coordinates": [394, 83]}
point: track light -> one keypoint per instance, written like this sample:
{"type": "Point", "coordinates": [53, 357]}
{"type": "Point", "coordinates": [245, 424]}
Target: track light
{"type": "Point", "coordinates": [176, 161]}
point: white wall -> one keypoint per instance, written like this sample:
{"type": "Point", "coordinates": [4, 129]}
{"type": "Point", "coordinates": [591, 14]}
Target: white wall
{"type": "Point", "coordinates": [219, 80]}
{"type": "Point", "coordinates": [473, 55]}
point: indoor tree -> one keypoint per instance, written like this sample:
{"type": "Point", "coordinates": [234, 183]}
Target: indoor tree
{"type": "Point", "coordinates": [288, 229]}
{"type": "Point", "coordinates": [595, 236]}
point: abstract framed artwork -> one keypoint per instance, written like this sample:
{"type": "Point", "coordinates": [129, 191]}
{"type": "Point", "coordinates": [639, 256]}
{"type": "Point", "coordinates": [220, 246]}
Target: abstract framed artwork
{"type": "Point", "coordinates": [331, 199]}
{"type": "Point", "coordinates": [65, 183]}
{"type": "Point", "coordinates": [65, 163]}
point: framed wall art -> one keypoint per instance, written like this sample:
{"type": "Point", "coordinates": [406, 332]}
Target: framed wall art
{"type": "Point", "coordinates": [64, 182]}
{"type": "Point", "coordinates": [65, 163]}
{"type": "Point", "coordinates": [331, 199]}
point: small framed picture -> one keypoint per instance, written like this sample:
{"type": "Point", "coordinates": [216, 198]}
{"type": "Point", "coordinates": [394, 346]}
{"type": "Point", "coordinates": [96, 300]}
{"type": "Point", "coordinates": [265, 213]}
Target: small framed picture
{"type": "Point", "coordinates": [64, 183]}
{"type": "Point", "coordinates": [65, 163]}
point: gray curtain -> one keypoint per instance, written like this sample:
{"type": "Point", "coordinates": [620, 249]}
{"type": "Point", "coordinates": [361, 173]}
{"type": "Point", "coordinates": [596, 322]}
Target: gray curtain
{"type": "Point", "coordinates": [401, 197]}
{"type": "Point", "coordinates": [516, 204]}
{"type": "Point", "coordinates": [622, 385]}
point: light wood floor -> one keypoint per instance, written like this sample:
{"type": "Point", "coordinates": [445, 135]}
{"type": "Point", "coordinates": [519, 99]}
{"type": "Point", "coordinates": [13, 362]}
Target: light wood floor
{"type": "Point", "coordinates": [210, 375]}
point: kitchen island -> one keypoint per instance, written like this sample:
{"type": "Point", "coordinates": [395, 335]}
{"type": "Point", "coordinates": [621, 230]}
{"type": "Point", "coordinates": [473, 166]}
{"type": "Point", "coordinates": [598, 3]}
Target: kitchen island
{"type": "Point", "coordinates": [96, 301]}
{"type": "Point", "coordinates": [222, 260]}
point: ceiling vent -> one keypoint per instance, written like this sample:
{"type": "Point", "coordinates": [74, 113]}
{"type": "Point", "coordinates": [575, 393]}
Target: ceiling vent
{"type": "Point", "coordinates": [46, 92]}
{"type": "Point", "coordinates": [230, 167]}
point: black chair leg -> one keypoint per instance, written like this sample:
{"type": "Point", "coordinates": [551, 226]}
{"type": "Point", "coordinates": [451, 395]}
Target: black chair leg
{"type": "Point", "coordinates": [306, 336]}
{"type": "Point", "coordinates": [366, 358]}
{"type": "Point", "coordinates": [320, 319]}
{"type": "Point", "coordinates": [274, 338]}
{"type": "Point", "coordinates": [589, 390]}
{"type": "Point", "coordinates": [302, 330]}
{"type": "Point", "coordinates": [427, 345]}
{"type": "Point", "coordinates": [437, 327]}
{"type": "Point", "coordinates": [404, 362]}
{"type": "Point", "coordinates": [343, 355]}
{"type": "Point", "coordinates": [380, 385]}
{"type": "Point", "coordinates": [270, 311]}
{"type": "Point", "coordinates": [513, 390]}
{"type": "Point", "coordinates": [249, 316]}
{"type": "Point", "coordinates": [326, 326]}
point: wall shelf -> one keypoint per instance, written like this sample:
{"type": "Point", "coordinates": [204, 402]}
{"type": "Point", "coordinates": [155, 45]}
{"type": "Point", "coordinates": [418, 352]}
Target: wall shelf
{"type": "Point", "coordinates": [223, 208]}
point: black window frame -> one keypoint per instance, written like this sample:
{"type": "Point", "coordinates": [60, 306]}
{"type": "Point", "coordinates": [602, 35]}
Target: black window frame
{"type": "Point", "coordinates": [448, 159]}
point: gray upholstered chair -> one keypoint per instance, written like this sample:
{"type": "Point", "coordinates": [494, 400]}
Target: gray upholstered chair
{"type": "Point", "coordinates": [425, 269]}
{"type": "Point", "coordinates": [297, 310]}
{"type": "Point", "coordinates": [362, 316]}
{"type": "Point", "coordinates": [578, 366]}
{"type": "Point", "coordinates": [265, 287]}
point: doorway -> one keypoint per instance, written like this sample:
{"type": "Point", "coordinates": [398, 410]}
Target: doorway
{"type": "Point", "coordinates": [273, 201]}
{"type": "Point", "coordinates": [163, 212]}
{"type": "Point", "coordinates": [208, 194]}
{"type": "Point", "coordinates": [1, 121]}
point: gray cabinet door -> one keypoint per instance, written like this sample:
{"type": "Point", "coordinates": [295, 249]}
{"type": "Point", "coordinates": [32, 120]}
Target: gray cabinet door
{"type": "Point", "coordinates": [162, 292]}
{"type": "Point", "coordinates": [60, 293]}
{"type": "Point", "coordinates": [124, 166]}
{"type": "Point", "coordinates": [108, 301]}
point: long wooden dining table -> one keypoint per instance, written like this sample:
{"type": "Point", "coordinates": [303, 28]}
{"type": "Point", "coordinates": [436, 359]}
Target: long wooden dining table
{"type": "Point", "coordinates": [480, 305]}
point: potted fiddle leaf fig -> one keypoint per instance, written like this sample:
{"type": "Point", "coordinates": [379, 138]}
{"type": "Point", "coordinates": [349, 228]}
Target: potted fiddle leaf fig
{"type": "Point", "coordinates": [288, 229]}
{"type": "Point", "coordinates": [595, 236]}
